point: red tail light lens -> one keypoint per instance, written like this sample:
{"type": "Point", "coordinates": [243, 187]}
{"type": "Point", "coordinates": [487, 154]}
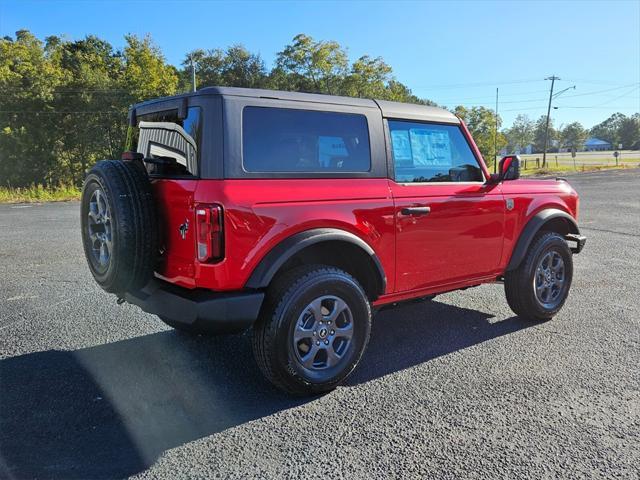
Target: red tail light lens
{"type": "Point", "coordinates": [209, 233]}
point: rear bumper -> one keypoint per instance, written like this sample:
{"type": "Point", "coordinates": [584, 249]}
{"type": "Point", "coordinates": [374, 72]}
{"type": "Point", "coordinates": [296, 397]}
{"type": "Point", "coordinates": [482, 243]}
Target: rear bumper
{"type": "Point", "coordinates": [207, 311]}
{"type": "Point", "coordinates": [576, 242]}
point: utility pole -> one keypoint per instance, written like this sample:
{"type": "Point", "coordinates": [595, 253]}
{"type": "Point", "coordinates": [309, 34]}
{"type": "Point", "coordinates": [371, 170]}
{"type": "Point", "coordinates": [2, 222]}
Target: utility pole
{"type": "Point", "coordinates": [495, 139]}
{"type": "Point", "coordinates": [193, 74]}
{"type": "Point", "coordinates": [553, 79]}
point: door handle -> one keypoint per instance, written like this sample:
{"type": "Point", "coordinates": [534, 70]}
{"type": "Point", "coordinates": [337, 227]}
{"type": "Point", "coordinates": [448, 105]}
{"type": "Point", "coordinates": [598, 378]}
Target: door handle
{"type": "Point", "coordinates": [416, 211]}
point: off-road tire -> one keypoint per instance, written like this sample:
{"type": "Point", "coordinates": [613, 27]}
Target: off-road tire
{"type": "Point", "coordinates": [133, 225]}
{"type": "Point", "coordinates": [519, 283]}
{"type": "Point", "coordinates": [286, 299]}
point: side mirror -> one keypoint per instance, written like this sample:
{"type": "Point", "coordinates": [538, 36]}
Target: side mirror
{"type": "Point", "coordinates": [509, 167]}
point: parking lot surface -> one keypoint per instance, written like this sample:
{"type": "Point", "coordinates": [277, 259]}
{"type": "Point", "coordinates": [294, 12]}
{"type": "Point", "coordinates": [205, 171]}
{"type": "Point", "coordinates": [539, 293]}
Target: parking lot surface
{"type": "Point", "coordinates": [457, 387]}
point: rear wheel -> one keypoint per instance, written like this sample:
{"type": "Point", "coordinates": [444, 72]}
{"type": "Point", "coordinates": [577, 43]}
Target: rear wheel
{"type": "Point", "coordinates": [538, 288]}
{"type": "Point", "coordinates": [312, 330]}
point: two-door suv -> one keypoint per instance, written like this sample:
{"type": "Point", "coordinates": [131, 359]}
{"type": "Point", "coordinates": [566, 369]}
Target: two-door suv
{"type": "Point", "coordinates": [297, 215]}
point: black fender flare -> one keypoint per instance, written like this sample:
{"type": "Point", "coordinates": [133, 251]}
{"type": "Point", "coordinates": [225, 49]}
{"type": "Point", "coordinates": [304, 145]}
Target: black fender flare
{"type": "Point", "coordinates": [287, 248]}
{"type": "Point", "coordinates": [532, 227]}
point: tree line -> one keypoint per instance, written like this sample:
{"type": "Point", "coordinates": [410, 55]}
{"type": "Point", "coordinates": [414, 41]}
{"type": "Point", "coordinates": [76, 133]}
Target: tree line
{"type": "Point", "coordinates": [618, 129]}
{"type": "Point", "coordinates": [63, 103]}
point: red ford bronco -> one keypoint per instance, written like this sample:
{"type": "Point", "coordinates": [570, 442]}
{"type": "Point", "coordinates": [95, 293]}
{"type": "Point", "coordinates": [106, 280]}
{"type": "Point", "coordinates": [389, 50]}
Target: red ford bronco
{"type": "Point", "coordinates": [297, 214]}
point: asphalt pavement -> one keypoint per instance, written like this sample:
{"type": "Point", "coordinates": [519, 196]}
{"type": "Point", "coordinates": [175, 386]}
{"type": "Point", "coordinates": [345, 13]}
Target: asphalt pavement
{"type": "Point", "coordinates": [457, 387]}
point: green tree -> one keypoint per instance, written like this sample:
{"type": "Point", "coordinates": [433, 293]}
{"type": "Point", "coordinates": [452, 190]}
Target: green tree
{"type": "Point", "coordinates": [399, 92]}
{"type": "Point", "coordinates": [145, 74]}
{"type": "Point", "coordinates": [573, 136]}
{"type": "Point", "coordinates": [64, 103]}
{"type": "Point", "coordinates": [521, 133]}
{"type": "Point", "coordinates": [629, 132]}
{"type": "Point", "coordinates": [88, 105]}
{"type": "Point", "coordinates": [481, 122]}
{"type": "Point", "coordinates": [208, 65]}
{"type": "Point", "coordinates": [369, 78]}
{"type": "Point", "coordinates": [244, 69]}
{"type": "Point", "coordinates": [539, 135]}
{"type": "Point", "coordinates": [235, 67]}
{"type": "Point", "coordinates": [609, 129]}
{"type": "Point", "coordinates": [28, 80]}
{"type": "Point", "coordinates": [310, 65]}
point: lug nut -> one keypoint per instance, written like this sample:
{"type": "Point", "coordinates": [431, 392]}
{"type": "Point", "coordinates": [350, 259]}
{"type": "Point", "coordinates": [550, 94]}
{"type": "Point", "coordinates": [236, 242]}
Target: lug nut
{"type": "Point", "coordinates": [333, 332]}
{"type": "Point", "coordinates": [315, 333]}
{"type": "Point", "coordinates": [326, 342]}
{"type": "Point", "coordinates": [317, 343]}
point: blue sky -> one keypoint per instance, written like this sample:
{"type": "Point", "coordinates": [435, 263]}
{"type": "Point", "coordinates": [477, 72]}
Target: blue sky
{"type": "Point", "coordinates": [451, 52]}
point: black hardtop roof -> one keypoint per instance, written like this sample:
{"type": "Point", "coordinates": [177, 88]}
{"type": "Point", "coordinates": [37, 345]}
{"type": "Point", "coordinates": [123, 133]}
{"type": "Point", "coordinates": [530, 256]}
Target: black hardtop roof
{"type": "Point", "coordinates": [389, 109]}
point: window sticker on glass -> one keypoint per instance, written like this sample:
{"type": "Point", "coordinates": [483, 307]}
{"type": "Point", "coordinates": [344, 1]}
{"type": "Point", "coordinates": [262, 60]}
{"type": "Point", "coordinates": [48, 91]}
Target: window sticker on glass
{"type": "Point", "coordinates": [401, 146]}
{"type": "Point", "coordinates": [331, 148]}
{"type": "Point", "coordinates": [430, 147]}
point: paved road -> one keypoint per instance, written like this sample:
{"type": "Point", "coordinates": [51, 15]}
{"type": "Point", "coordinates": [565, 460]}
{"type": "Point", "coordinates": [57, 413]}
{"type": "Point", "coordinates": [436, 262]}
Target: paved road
{"type": "Point", "coordinates": [454, 388]}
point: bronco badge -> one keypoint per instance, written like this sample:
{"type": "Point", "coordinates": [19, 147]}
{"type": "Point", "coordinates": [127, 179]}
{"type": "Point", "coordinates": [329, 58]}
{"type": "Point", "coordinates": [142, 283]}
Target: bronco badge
{"type": "Point", "coordinates": [183, 229]}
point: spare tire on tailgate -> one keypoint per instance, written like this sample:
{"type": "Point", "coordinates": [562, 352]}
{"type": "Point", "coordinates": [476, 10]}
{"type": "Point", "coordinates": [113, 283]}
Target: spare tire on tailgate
{"type": "Point", "coordinates": [119, 225]}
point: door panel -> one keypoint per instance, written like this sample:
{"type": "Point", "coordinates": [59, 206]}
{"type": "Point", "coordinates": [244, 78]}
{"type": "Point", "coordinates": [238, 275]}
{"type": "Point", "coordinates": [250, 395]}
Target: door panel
{"type": "Point", "coordinates": [459, 237]}
{"type": "Point", "coordinates": [449, 222]}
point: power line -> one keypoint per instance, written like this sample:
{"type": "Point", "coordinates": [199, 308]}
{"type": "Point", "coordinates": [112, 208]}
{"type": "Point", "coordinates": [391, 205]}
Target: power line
{"type": "Point", "coordinates": [469, 99]}
{"type": "Point", "coordinates": [608, 108]}
{"type": "Point", "coordinates": [602, 91]}
{"type": "Point", "coordinates": [523, 109]}
{"type": "Point", "coordinates": [620, 96]}
{"type": "Point", "coordinates": [466, 85]}
{"type": "Point", "coordinates": [595, 93]}
{"type": "Point", "coordinates": [602, 105]}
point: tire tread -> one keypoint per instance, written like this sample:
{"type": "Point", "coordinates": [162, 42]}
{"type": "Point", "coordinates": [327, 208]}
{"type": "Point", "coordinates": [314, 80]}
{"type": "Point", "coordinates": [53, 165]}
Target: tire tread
{"type": "Point", "coordinates": [265, 330]}
{"type": "Point", "coordinates": [520, 296]}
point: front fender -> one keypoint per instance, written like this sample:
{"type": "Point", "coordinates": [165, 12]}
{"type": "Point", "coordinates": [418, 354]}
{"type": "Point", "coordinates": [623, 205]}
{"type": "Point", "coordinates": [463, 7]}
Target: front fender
{"type": "Point", "coordinates": [533, 226]}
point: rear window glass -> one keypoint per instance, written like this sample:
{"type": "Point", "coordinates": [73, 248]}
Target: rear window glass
{"type": "Point", "coordinates": [288, 140]}
{"type": "Point", "coordinates": [172, 142]}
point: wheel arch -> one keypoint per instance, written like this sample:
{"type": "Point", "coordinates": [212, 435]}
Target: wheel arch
{"type": "Point", "coordinates": [329, 246]}
{"type": "Point", "coordinates": [549, 219]}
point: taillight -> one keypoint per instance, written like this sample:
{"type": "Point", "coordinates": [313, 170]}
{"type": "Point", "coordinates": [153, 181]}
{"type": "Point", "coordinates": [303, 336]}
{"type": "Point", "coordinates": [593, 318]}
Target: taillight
{"type": "Point", "coordinates": [209, 233]}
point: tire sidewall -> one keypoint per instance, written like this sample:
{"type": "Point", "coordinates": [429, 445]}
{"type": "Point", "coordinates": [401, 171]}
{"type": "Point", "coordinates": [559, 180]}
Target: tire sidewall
{"type": "Point", "coordinates": [340, 286]}
{"type": "Point", "coordinates": [134, 225]}
{"type": "Point", "coordinates": [550, 243]}
{"type": "Point", "coordinates": [92, 183]}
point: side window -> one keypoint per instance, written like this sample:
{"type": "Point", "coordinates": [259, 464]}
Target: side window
{"type": "Point", "coordinates": [174, 143]}
{"type": "Point", "coordinates": [288, 140]}
{"type": "Point", "coordinates": [425, 152]}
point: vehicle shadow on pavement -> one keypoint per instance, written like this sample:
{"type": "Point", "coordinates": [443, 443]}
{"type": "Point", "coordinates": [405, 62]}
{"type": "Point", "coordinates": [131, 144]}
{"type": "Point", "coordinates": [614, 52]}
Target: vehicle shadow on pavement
{"type": "Point", "coordinates": [111, 410]}
{"type": "Point", "coordinates": [414, 333]}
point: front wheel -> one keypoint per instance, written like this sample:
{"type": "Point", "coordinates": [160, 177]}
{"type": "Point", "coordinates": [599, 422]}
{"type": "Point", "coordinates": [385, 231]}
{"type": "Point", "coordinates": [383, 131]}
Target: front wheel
{"type": "Point", "coordinates": [312, 330]}
{"type": "Point", "coordinates": [538, 288]}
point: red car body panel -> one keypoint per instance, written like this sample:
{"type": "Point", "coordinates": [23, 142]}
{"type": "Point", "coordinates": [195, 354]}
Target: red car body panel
{"type": "Point", "coordinates": [434, 249]}
{"type": "Point", "coordinates": [176, 205]}
{"type": "Point", "coordinates": [259, 214]}
{"type": "Point", "coordinates": [530, 197]}
{"type": "Point", "coordinates": [466, 239]}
